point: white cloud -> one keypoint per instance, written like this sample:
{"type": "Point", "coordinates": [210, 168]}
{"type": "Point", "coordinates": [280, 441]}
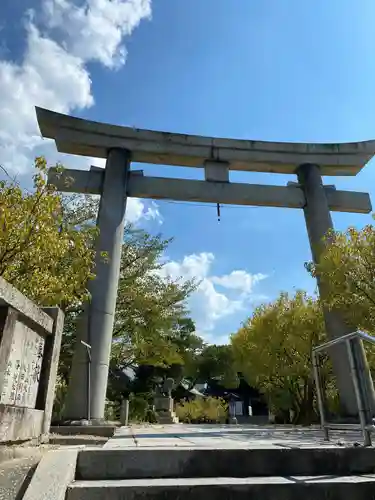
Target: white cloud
{"type": "Point", "coordinates": [137, 210]}
{"type": "Point", "coordinates": [134, 210]}
{"type": "Point", "coordinates": [152, 212]}
{"type": "Point", "coordinates": [191, 266]}
{"type": "Point", "coordinates": [48, 76]}
{"type": "Point", "coordinates": [94, 31]}
{"type": "Point", "coordinates": [61, 38]}
{"type": "Point", "coordinates": [53, 71]}
{"type": "Point", "coordinates": [238, 280]}
{"type": "Point", "coordinates": [208, 305]}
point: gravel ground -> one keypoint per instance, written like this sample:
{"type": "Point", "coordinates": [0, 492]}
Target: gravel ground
{"type": "Point", "coordinates": [15, 476]}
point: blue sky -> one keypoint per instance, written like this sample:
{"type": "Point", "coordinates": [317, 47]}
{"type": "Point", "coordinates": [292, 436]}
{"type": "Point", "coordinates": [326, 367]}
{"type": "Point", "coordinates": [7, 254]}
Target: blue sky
{"type": "Point", "coordinates": [282, 70]}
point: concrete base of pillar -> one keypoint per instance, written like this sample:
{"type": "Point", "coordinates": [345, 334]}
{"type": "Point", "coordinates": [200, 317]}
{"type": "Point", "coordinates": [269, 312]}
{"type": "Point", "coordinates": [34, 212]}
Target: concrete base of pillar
{"type": "Point", "coordinates": [167, 418]}
{"type": "Point", "coordinates": [87, 430]}
{"type": "Point", "coordinates": [164, 410]}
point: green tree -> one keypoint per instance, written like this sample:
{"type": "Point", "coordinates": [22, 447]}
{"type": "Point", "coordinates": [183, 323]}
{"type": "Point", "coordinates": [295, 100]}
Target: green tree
{"type": "Point", "coordinates": [151, 308]}
{"type": "Point", "coordinates": [217, 363]}
{"type": "Point", "coordinates": [188, 345]}
{"type": "Point", "coordinates": [273, 351]}
{"type": "Point", "coordinates": [151, 322]}
{"type": "Point", "coordinates": [45, 253]}
{"type": "Point", "coordinates": [347, 271]}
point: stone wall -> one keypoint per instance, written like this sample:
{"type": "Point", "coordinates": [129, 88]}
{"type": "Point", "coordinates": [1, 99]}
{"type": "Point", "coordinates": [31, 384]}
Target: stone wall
{"type": "Point", "coordinates": [30, 340]}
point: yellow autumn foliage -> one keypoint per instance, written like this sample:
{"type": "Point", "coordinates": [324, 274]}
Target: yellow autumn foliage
{"type": "Point", "coordinates": [45, 251]}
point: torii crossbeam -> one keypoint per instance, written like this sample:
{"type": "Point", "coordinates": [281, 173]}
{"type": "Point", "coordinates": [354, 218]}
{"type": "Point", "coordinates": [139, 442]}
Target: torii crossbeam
{"type": "Point", "coordinates": [122, 145]}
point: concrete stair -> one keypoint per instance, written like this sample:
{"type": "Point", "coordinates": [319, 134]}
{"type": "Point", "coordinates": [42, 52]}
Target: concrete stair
{"type": "Point", "coordinates": [274, 488]}
{"type": "Point", "coordinates": [270, 474]}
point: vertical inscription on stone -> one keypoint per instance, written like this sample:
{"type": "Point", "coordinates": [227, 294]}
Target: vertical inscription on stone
{"type": "Point", "coordinates": [20, 387]}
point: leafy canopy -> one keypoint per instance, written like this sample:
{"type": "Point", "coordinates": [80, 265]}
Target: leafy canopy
{"type": "Point", "coordinates": [151, 312]}
{"type": "Point", "coordinates": [45, 252]}
{"type": "Point", "coordinates": [152, 325]}
{"type": "Point", "coordinates": [273, 351]}
{"type": "Point", "coordinates": [347, 269]}
{"type": "Point", "coordinates": [216, 363]}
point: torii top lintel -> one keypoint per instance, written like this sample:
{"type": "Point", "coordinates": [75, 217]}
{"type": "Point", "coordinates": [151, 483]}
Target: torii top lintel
{"type": "Point", "coordinates": [88, 138]}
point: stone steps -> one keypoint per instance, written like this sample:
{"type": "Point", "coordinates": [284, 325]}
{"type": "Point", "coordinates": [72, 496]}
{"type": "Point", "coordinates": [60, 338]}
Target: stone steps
{"type": "Point", "coordinates": [270, 488]}
{"type": "Point", "coordinates": [273, 473]}
{"type": "Point", "coordinates": [192, 462]}
{"type": "Point", "coordinates": [172, 462]}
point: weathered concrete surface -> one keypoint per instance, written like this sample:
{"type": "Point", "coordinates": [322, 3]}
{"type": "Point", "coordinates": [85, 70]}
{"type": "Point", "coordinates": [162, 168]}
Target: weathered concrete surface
{"type": "Point", "coordinates": [88, 138]}
{"type": "Point", "coordinates": [194, 461]}
{"type": "Point", "coordinates": [75, 440]}
{"type": "Point", "coordinates": [30, 340]}
{"type": "Point", "coordinates": [216, 171]}
{"type": "Point", "coordinates": [47, 382]}
{"type": "Point", "coordinates": [20, 424]}
{"type": "Point", "coordinates": [280, 488]}
{"type": "Point", "coordinates": [97, 324]}
{"type": "Point", "coordinates": [9, 295]}
{"type": "Point", "coordinates": [227, 436]}
{"type": "Point", "coordinates": [92, 430]}
{"type": "Point", "coordinates": [54, 473]}
{"type": "Point", "coordinates": [15, 476]}
{"type": "Point", "coordinates": [8, 453]}
{"type": "Point", "coordinates": [21, 354]}
{"type": "Point", "coordinates": [214, 462]}
{"type": "Point", "coordinates": [90, 182]}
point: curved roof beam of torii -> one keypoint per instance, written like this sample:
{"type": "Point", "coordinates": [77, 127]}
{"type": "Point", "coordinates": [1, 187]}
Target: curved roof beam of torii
{"type": "Point", "coordinates": [88, 138]}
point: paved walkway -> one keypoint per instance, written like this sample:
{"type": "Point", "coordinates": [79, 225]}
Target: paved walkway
{"type": "Point", "coordinates": [226, 436]}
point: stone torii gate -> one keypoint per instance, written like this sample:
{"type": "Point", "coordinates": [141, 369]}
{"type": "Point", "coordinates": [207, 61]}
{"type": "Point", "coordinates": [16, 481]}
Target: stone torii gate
{"type": "Point", "coordinates": [122, 145]}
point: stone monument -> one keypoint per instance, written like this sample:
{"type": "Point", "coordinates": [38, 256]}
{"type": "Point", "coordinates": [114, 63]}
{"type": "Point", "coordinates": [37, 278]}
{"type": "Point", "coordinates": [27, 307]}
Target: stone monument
{"type": "Point", "coordinates": [163, 403]}
{"type": "Point", "coordinates": [30, 340]}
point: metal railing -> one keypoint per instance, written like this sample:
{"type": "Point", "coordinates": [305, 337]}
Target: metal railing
{"type": "Point", "coordinates": [363, 403]}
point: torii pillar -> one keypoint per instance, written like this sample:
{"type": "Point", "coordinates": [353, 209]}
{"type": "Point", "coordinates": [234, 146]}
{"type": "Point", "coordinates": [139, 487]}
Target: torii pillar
{"type": "Point", "coordinates": [96, 324]}
{"type": "Point", "coordinates": [319, 224]}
